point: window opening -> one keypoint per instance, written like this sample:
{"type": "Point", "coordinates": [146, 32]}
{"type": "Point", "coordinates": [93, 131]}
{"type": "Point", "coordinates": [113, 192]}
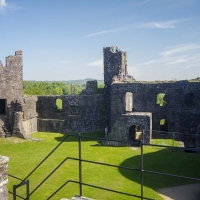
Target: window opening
{"type": "Point", "coordinates": [59, 104]}
{"type": "Point", "coordinates": [163, 125]}
{"type": "Point", "coordinates": [129, 101]}
{"type": "Point", "coordinates": [161, 99]}
{"type": "Point", "coordinates": [135, 133]}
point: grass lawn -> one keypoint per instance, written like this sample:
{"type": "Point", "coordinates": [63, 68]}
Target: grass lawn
{"type": "Point", "coordinates": [25, 155]}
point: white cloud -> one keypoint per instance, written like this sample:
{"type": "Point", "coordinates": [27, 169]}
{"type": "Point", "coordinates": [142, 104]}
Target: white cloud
{"type": "Point", "coordinates": [2, 6]}
{"type": "Point", "coordinates": [97, 63]}
{"type": "Point", "coordinates": [2, 3]}
{"type": "Point", "coordinates": [148, 62]}
{"type": "Point", "coordinates": [160, 25]}
{"type": "Point", "coordinates": [181, 62]}
{"type": "Point", "coordinates": [104, 32]}
{"type": "Point", "coordinates": [176, 61]}
{"type": "Point", "coordinates": [5, 7]}
{"type": "Point", "coordinates": [179, 49]}
{"type": "Point", "coordinates": [65, 62]}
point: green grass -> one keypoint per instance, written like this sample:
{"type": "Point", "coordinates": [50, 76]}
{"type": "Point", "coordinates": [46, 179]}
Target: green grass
{"type": "Point", "coordinates": [165, 142]}
{"type": "Point", "coordinates": [25, 155]}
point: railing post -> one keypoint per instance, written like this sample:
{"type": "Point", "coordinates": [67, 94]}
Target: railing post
{"type": "Point", "coordinates": [142, 165]}
{"type": "Point", "coordinates": [80, 164]}
{"type": "Point", "coordinates": [14, 193]}
{"type": "Point", "coordinates": [27, 189]}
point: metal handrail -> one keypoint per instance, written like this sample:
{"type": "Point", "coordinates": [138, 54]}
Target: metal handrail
{"type": "Point", "coordinates": [94, 186]}
{"type": "Point", "coordinates": [24, 181]}
{"type": "Point", "coordinates": [48, 155]}
{"type": "Point", "coordinates": [80, 160]}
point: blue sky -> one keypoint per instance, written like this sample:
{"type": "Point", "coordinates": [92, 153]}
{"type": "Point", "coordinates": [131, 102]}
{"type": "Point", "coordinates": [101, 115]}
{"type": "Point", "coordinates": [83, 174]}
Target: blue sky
{"type": "Point", "coordinates": [64, 39]}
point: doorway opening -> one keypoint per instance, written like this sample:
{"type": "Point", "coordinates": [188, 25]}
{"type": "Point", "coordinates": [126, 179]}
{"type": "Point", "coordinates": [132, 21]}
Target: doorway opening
{"type": "Point", "coordinates": [135, 133]}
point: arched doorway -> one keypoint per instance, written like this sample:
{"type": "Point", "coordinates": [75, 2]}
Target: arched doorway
{"type": "Point", "coordinates": [135, 133]}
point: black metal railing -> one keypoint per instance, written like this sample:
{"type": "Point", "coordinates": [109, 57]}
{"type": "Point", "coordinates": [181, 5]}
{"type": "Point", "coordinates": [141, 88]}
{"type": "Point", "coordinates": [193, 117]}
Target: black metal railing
{"type": "Point", "coordinates": [141, 170]}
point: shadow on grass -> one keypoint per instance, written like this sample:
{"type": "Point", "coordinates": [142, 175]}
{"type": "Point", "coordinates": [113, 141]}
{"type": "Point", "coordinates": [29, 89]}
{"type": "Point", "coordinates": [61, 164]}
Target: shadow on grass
{"type": "Point", "coordinates": [95, 136]}
{"type": "Point", "coordinates": [164, 161]}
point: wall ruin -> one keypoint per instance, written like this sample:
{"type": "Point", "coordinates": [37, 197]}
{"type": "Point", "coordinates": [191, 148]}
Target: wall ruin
{"type": "Point", "coordinates": [3, 177]}
{"type": "Point", "coordinates": [83, 113]}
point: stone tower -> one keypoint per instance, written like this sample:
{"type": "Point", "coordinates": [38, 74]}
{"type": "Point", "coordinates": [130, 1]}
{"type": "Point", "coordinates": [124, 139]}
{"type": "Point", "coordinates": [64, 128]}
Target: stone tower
{"type": "Point", "coordinates": [11, 89]}
{"type": "Point", "coordinates": [115, 65]}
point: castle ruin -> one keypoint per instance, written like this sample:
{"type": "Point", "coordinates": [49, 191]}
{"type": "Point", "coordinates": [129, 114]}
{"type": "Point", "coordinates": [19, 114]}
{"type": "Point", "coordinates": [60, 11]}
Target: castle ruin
{"type": "Point", "coordinates": [125, 105]}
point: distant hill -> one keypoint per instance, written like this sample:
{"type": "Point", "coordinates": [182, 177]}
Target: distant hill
{"type": "Point", "coordinates": [81, 82]}
{"type": "Point", "coordinates": [69, 82]}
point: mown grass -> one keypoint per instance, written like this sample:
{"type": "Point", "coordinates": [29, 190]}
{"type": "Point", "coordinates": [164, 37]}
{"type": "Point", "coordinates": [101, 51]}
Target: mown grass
{"type": "Point", "coordinates": [25, 155]}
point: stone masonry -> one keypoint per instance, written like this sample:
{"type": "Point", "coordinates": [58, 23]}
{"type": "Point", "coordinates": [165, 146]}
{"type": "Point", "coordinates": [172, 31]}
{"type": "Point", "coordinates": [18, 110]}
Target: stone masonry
{"type": "Point", "coordinates": [17, 113]}
{"type": "Point", "coordinates": [3, 177]}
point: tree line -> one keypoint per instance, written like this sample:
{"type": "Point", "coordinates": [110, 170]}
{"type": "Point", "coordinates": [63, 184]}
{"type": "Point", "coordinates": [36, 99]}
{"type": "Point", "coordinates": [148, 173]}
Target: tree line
{"type": "Point", "coordinates": [53, 88]}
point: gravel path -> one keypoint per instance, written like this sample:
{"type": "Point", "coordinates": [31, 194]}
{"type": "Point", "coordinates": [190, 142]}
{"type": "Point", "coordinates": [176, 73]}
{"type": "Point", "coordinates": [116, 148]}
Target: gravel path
{"type": "Point", "coordinates": [185, 192]}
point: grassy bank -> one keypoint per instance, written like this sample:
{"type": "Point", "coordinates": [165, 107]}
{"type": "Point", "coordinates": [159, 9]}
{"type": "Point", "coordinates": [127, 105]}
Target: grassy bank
{"type": "Point", "coordinates": [25, 155]}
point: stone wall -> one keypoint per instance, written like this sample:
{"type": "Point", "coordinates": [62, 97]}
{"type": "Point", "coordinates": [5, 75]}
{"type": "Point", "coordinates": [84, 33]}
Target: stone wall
{"type": "Point", "coordinates": [3, 177]}
{"type": "Point", "coordinates": [83, 113]}
{"type": "Point", "coordinates": [181, 107]}
{"type": "Point", "coordinates": [24, 117]}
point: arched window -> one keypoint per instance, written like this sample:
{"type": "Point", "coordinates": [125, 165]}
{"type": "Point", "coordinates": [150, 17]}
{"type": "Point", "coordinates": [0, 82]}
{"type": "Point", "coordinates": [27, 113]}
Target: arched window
{"type": "Point", "coordinates": [161, 99]}
{"type": "Point", "coordinates": [129, 101]}
{"type": "Point", "coordinates": [59, 104]}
